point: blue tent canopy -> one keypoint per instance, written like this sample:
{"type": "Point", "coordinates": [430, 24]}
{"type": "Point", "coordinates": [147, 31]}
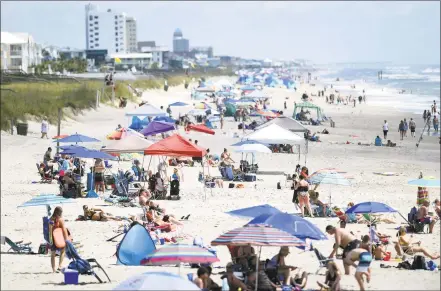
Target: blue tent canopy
{"type": "Point", "coordinates": [138, 124]}
{"type": "Point", "coordinates": [178, 104]}
{"type": "Point", "coordinates": [88, 154]}
{"type": "Point", "coordinates": [164, 119]}
{"type": "Point", "coordinates": [136, 245]}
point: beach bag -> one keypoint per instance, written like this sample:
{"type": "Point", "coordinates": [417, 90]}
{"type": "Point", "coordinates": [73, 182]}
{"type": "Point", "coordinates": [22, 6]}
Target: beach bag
{"type": "Point", "coordinates": [419, 263]}
{"type": "Point", "coordinates": [231, 185]}
{"type": "Point", "coordinates": [278, 186]}
{"type": "Point", "coordinates": [404, 265]}
{"type": "Point", "coordinates": [58, 238]}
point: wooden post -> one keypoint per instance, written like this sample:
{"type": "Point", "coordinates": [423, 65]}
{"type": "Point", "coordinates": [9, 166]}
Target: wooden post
{"type": "Point", "coordinates": [60, 112]}
{"type": "Point", "coordinates": [12, 126]}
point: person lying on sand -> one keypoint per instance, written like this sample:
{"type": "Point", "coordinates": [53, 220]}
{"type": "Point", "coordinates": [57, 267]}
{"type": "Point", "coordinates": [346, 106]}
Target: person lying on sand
{"type": "Point", "coordinates": [97, 214]}
{"type": "Point", "coordinates": [406, 245]}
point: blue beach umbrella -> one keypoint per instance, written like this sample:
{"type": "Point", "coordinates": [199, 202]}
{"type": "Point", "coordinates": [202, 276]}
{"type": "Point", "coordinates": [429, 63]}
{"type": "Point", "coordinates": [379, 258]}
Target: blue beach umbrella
{"type": "Point", "coordinates": [429, 183]}
{"type": "Point", "coordinates": [178, 104]}
{"type": "Point", "coordinates": [46, 200]}
{"type": "Point", "coordinates": [292, 224]}
{"type": "Point", "coordinates": [370, 207]}
{"type": "Point", "coordinates": [157, 281]}
{"type": "Point", "coordinates": [254, 211]}
{"type": "Point", "coordinates": [76, 138]}
{"type": "Point", "coordinates": [88, 154]}
{"type": "Point", "coordinates": [165, 119]}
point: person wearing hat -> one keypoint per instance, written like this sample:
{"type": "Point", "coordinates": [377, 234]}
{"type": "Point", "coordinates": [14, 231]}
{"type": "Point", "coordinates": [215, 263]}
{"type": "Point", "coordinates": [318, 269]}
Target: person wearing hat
{"type": "Point", "coordinates": [278, 261]}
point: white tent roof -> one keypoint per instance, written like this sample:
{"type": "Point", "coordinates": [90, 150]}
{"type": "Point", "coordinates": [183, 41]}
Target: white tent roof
{"type": "Point", "coordinates": [129, 144]}
{"type": "Point", "coordinates": [286, 123]}
{"type": "Point", "coordinates": [253, 148]}
{"type": "Point", "coordinates": [146, 110]}
{"type": "Point", "coordinates": [274, 134]}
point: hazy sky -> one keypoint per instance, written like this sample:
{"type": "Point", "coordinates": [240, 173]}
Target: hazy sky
{"type": "Point", "coordinates": [402, 32]}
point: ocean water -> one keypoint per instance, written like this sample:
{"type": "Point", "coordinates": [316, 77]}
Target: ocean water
{"type": "Point", "coordinates": [420, 82]}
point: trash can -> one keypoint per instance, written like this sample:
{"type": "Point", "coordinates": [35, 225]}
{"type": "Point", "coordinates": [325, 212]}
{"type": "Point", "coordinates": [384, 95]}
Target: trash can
{"type": "Point", "coordinates": [22, 128]}
{"type": "Point", "coordinates": [165, 88]}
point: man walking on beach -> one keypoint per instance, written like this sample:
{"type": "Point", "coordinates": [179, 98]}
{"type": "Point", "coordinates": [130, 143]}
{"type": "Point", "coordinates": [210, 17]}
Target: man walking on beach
{"type": "Point", "coordinates": [412, 126]}
{"type": "Point", "coordinates": [44, 128]}
{"type": "Point", "coordinates": [385, 129]}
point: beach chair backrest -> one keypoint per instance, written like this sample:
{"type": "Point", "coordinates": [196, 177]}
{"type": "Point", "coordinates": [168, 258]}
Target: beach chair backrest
{"type": "Point", "coordinates": [46, 229]}
{"type": "Point", "coordinates": [11, 243]}
{"type": "Point", "coordinates": [319, 255]}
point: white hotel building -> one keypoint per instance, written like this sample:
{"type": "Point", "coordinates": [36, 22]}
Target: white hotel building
{"type": "Point", "coordinates": [109, 30]}
{"type": "Point", "coordinates": [19, 51]}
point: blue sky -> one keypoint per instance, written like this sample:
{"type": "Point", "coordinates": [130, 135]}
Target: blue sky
{"type": "Point", "coordinates": [400, 32]}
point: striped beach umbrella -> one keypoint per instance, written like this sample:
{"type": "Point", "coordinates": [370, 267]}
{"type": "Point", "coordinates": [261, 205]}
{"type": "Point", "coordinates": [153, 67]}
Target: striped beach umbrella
{"type": "Point", "coordinates": [180, 253]}
{"type": "Point", "coordinates": [46, 200]}
{"type": "Point", "coordinates": [258, 235]}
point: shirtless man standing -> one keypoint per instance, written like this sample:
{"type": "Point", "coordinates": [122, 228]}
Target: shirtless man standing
{"type": "Point", "coordinates": [363, 267]}
{"type": "Point", "coordinates": [345, 240]}
{"type": "Point", "coordinates": [424, 217]}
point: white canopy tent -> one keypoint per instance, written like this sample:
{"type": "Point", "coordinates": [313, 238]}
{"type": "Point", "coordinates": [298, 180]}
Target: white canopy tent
{"type": "Point", "coordinates": [146, 110]}
{"type": "Point", "coordinates": [129, 144]}
{"type": "Point", "coordinates": [256, 94]}
{"type": "Point", "coordinates": [253, 148]}
{"type": "Point", "coordinates": [274, 134]}
{"type": "Point", "coordinates": [286, 123]}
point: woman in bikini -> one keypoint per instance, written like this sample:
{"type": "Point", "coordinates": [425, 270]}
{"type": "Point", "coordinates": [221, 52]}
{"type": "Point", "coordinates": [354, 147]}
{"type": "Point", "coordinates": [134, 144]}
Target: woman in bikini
{"type": "Point", "coordinates": [333, 277]}
{"type": "Point", "coordinates": [97, 214]}
{"type": "Point", "coordinates": [303, 195]}
{"type": "Point", "coordinates": [56, 221]}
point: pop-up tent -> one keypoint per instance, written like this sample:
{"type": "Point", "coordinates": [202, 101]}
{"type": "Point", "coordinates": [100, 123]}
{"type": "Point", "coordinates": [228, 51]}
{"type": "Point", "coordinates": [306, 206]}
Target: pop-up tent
{"type": "Point", "coordinates": [307, 105]}
{"type": "Point", "coordinates": [201, 128]}
{"type": "Point", "coordinates": [136, 245]}
{"type": "Point", "coordinates": [286, 123]}
{"type": "Point", "coordinates": [146, 110]}
{"type": "Point", "coordinates": [274, 134]}
{"type": "Point", "coordinates": [156, 127]}
{"type": "Point", "coordinates": [176, 146]}
{"type": "Point", "coordinates": [256, 94]}
{"type": "Point", "coordinates": [138, 124]}
{"type": "Point", "coordinates": [129, 144]}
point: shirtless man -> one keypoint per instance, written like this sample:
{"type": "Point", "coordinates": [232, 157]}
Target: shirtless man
{"type": "Point", "coordinates": [363, 267]}
{"type": "Point", "coordinates": [345, 240]}
{"type": "Point", "coordinates": [423, 216]}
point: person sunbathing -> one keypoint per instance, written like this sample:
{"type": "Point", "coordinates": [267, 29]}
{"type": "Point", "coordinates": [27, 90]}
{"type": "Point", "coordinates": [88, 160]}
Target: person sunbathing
{"type": "Point", "coordinates": [143, 197]}
{"type": "Point", "coordinates": [164, 221]}
{"type": "Point", "coordinates": [97, 214]}
{"type": "Point", "coordinates": [407, 246]}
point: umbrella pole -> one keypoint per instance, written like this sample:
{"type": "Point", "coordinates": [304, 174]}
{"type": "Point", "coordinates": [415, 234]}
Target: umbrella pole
{"type": "Point", "coordinates": [48, 208]}
{"type": "Point", "coordinates": [257, 267]}
{"type": "Point", "coordinates": [148, 167]}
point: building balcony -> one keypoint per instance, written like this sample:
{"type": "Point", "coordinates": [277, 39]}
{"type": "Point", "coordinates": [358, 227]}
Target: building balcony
{"type": "Point", "coordinates": [16, 53]}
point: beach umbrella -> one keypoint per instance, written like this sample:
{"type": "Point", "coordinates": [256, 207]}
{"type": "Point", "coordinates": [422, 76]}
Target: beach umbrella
{"type": "Point", "coordinates": [60, 136]}
{"type": "Point", "coordinates": [329, 178]}
{"type": "Point", "coordinates": [88, 154]}
{"type": "Point", "coordinates": [164, 119]}
{"type": "Point", "coordinates": [76, 138]}
{"type": "Point", "coordinates": [429, 183]}
{"type": "Point", "coordinates": [370, 207]}
{"type": "Point", "coordinates": [197, 112]}
{"type": "Point", "coordinates": [254, 211]}
{"type": "Point", "coordinates": [71, 147]}
{"type": "Point", "coordinates": [253, 148]}
{"type": "Point", "coordinates": [46, 200]}
{"type": "Point", "coordinates": [292, 224]}
{"type": "Point", "coordinates": [180, 253]}
{"type": "Point", "coordinates": [121, 133]}
{"type": "Point", "coordinates": [157, 281]}
{"type": "Point", "coordinates": [201, 106]}
{"type": "Point", "coordinates": [178, 104]}
{"type": "Point", "coordinates": [257, 235]}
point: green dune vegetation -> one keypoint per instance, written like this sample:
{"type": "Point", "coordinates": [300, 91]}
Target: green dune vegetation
{"type": "Point", "coordinates": [31, 100]}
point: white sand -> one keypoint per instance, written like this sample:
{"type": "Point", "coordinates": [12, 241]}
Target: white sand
{"type": "Point", "coordinates": [19, 155]}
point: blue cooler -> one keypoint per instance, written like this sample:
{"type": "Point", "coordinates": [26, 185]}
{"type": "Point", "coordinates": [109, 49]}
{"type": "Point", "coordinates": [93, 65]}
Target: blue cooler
{"type": "Point", "coordinates": [71, 277]}
{"type": "Point", "coordinates": [250, 177]}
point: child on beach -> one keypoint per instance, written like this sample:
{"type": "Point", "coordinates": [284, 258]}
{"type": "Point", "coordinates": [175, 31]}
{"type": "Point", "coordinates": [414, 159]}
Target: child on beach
{"type": "Point", "coordinates": [333, 277]}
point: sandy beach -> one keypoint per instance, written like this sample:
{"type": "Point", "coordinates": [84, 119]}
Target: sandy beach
{"type": "Point", "coordinates": [208, 219]}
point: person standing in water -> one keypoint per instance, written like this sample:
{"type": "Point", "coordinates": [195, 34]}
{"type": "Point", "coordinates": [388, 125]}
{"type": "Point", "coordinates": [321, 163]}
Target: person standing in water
{"type": "Point", "coordinates": [385, 129]}
{"type": "Point", "coordinates": [412, 126]}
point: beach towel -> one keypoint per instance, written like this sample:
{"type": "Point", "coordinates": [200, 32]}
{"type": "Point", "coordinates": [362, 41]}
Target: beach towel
{"type": "Point", "coordinates": [386, 173]}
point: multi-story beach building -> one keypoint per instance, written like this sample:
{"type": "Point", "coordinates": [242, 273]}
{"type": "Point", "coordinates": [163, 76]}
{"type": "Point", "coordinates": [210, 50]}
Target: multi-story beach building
{"type": "Point", "coordinates": [131, 34]}
{"type": "Point", "coordinates": [19, 51]}
{"type": "Point", "coordinates": [160, 54]}
{"type": "Point", "coordinates": [107, 30]}
{"type": "Point", "coordinates": [181, 45]}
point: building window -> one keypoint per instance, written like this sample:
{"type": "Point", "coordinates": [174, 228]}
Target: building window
{"type": "Point", "coordinates": [116, 49]}
{"type": "Point", "coordinates": [91, 30]}
{"type": "Point", "coordinates": [91, 41]}
{"type": "Point", "coordinates": [116, 39]}
{"type": "Point", "coordinates": [116, 33]}
{"type": "Point", "coordinates": [116, 16]}
{"type": "Point", "coordinates": [96, 39]}
{"type": "Point", "coordinates": [97, 44]}
{"type": "Point", "coordinates": [116, 27]}
{"type": "Point", "coordinates": [96, 33]}
{"type": "Point", "coordinates": [96, 22]}
{"type": "Point", "coordinates": [96, 17]}
{"type": "Point", "coordinates": [91, 24]}
{"type": "Point", "coordinates": [116, 44]}
{"type": "Point", "coordinates": [116, 22]}
{"type": "Point", "coordinates": [90, 17]}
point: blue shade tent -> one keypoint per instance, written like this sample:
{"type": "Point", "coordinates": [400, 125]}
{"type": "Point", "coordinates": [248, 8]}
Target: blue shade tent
{"type": "Point", "coordinates": [146, 110]}
{"type": "Point", "coordinates": [164, 119]}
{"type": "Point", "coordinates": [292, 224]}
{"type": "Point", "coordinates": [88, 154]}
{"type": "Point", "coordinates": [138, 124]}
{"type": "Point", "coordinates": [370, 207]}
{"type": "Point", "coordinates": [255, 211]}
{"type": "Point", "coordinates": [136, 245]}
{"type": "Point", "coordinates": [76, 138]}
{"type": "Point", "coordinates": [156, 127]}
{"type": "Point", "coordinates": [178, 104]}
{"type": "Point", "coordinates": [247, 88]}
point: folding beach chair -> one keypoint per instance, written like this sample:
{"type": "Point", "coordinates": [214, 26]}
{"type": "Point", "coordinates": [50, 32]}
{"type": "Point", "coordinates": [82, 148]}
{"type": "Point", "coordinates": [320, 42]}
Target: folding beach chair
{"type": "Point", "coordinates": [84, 267]}
{"type": "Point", "coordinates": [46, 177]}
{"type": "Point", "coordinates": [323, 261]}
{"type": "Point", "coordinates": [415, 225]}
{"type": "Point", "coordinates": [18, 246]}
{"type": "Point", "coordinates": [233, 177]}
